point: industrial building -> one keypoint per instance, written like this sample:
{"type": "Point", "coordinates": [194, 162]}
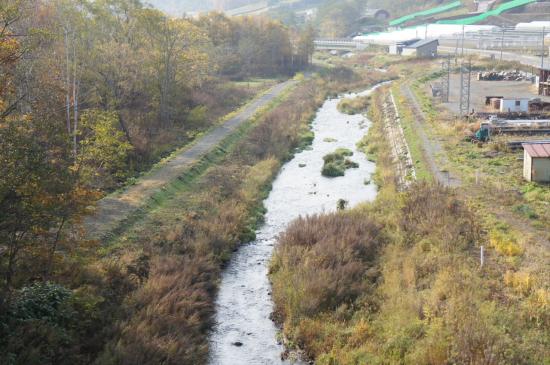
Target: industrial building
{"type": "Point", "coordinates": [503, 104]}
{"type": "Point", "coordinates": [514, 105]}
{"type": "Point", "coordinates": [426, 48]}
{"type": "Point", "coordinates": [536, 163]}
{"type": "Point", "coordinates": [397, 47]}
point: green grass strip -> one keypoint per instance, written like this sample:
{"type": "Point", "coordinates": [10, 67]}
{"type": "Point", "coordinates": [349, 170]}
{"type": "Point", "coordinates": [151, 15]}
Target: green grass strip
{"type": "Point", "coordinates": [432, 11]}
{"type": "Point", "coordinates": [495, 12]}
{"type": "Point", "coordinates": [190, 176]}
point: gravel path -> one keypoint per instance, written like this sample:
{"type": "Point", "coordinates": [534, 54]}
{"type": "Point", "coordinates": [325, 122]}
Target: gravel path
{"type": "Point", "coordinates": [113, 209]}
{"type": "Point", "coordinates": [432, 148]}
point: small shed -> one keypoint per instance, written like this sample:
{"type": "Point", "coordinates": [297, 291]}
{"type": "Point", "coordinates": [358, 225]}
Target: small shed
{"type": "Point", "coordinates": [536, 163]}
{"type": "Point", "coordinates": [397, 47]}
{"type": "Point", "coordinates": [426, 48]}
{"type": "Point", "coordinates": [514, 105]}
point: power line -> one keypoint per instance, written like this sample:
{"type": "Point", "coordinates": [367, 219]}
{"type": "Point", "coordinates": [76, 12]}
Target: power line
{"type": "Point", "coordinates": [446, 83]}
{"type": "Point", "coordinates": [542, 51]}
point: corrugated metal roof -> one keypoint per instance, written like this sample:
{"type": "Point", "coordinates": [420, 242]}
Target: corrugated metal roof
{"type": "Point", "coordinates": [422, 42]}
{"type": "Point", "coordinates": [537, 150]}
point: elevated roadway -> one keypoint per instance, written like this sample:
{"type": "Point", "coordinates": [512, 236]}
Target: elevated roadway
{"type": "Point", "coordinates": [344, 44]}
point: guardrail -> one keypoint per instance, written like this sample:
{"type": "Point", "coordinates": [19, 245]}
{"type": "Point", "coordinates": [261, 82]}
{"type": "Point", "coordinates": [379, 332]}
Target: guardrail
{"type": "Point", "coordinates": [495, 39]}
{"type": "Point", "coordinates": [338, 44]}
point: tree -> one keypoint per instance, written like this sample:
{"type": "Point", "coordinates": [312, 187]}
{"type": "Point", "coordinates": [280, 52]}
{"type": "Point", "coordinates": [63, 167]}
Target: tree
{"type": "Point", "coordinates": [103, 148]}
{"type": "Point", "coordinates": [39, 189]}
{"type": "Point", "coordinates": [338, 18]}
{"type": "Point", "coordinates": [305, 45]}
{"type": "Point", "coordinates": [39, 193]}
{"type": "Point", "coordinates": [177, 61]}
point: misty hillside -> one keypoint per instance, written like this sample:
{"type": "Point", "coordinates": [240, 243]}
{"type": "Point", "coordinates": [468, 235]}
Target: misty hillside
{"type": "Point", "coordinates": [181, 6]}
{"type": "Point", "coordinates": [398, 8]}
{"type": "Point", "coordinates": [178, 7]}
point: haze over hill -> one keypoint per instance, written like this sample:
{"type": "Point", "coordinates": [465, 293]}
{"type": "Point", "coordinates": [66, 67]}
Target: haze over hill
{"type": "Point", "coordinates": [182, 6]}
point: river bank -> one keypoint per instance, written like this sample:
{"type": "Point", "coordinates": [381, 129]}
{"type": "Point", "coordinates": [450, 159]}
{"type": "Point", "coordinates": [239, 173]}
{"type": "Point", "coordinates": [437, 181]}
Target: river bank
{"type": "Point", "coordinates": [244, 332]}
{"type": "Point", "coordinates": [177, 248]}
{"type": "Point", "coordinates": [399, 280]}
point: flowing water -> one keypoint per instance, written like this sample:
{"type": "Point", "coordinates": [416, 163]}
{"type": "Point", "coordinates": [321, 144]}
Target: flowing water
{"type": "Point", "coordinates": [244, 333]}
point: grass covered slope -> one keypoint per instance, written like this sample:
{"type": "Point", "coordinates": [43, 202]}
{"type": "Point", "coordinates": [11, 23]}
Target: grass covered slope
{"type": "Point", "coordinates": [361, 287]}
{"type": "Point", "coordinates": [191, 232]}
{"type": "Point", "coordinates": [398, 281]}
{"type": "Point", "coordinates": [188, 235]}
{"type": "Point", "coordinates": [432, 11]}
{"type": "Point", "coordinates": [504, 7]}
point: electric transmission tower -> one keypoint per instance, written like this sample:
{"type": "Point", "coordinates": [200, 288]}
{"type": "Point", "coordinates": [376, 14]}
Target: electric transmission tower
{"type": "Point", "coordinates": [465, 83]}
{"type": "Point", "coordinates": [446, 83]}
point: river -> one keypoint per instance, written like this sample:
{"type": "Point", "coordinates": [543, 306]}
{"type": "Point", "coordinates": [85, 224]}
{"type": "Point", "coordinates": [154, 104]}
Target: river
{"type": "Point", "coordinates": [244, 333]}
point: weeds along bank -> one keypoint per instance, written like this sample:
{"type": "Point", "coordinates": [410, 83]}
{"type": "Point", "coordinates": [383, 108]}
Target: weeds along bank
{"type": "Point", "coordinates": [188, 239]}
{"type": "Point", "coordinates": [146, 296]}
{"type": "Point", "coordinates": [398, 281]}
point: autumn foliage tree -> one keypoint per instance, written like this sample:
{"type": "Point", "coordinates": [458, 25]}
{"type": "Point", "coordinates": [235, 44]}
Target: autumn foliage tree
{"type": "Point", "coordinates": [39, 190]}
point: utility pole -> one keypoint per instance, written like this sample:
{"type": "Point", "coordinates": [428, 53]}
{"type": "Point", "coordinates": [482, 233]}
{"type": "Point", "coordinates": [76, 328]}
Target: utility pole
{"type": "Point", "coordinates": [502, 44]}
{"type": "Point", "coordinates": [482, 256]}
{"type": "Point", "coordinates": [445, 87]}
{"type": "Point", "coordinates": [465, 83]}
{"type": "Point", "coordinates": [463, 31]}
{"type": "Point", "coordinates": [542, 51]}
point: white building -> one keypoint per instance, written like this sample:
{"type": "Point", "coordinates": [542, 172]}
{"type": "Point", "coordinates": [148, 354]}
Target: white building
{"type": "Point", "coordinates": [536, 162]}
{"type": "Point", "coordinates": [514, 105]}
{"type": "Point", "coordinates": [397, 47]}
{"type": "Point", "coordinates": [425, 48]}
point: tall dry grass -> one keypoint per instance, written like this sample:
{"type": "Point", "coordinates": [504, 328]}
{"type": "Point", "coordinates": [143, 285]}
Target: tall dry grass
{"type": "Point", "coordinates": [418, 295]}
{"type": "Point", "coordinates": [167, 318]}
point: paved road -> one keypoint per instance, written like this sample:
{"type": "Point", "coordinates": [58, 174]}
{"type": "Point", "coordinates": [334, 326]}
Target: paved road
{"type": "Point", "coordinates": [507, 56]}
{"type": "Point", "coordinates": [113, 209]}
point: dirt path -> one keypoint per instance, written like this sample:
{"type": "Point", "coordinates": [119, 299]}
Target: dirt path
{"type": "Point", "coordinates": [113, 209]}
{"type": "Point", "coordinates": [433, 151]}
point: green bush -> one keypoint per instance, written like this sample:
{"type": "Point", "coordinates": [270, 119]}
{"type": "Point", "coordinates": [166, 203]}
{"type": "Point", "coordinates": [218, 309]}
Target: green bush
{"type": "Point", "coordinates": [354, 105]}
{"type": "Point", "coordinates": [333, 169]}
{"type": "Point", "coordinates": [46, 323]}
{"type": "Point", "coordinates": [336, 163]}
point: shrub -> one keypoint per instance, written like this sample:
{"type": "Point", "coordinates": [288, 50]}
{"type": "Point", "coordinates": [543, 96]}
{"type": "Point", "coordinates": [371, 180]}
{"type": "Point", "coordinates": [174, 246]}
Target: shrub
{"type": "Point", "coordinates": [505, 243]}
{"type": "Point", "coordinates": [336, 163]}
{"type": "Point", "coordinates": [322, 262]}
{"type": "Point", "coordinates": [45, 323]}
{"type": "Point", "coordinates": [521, 282]}
{"type": "Point", "coordinates": [332, 169]}
{"type": "Point", "coordinates": [354, 105]}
